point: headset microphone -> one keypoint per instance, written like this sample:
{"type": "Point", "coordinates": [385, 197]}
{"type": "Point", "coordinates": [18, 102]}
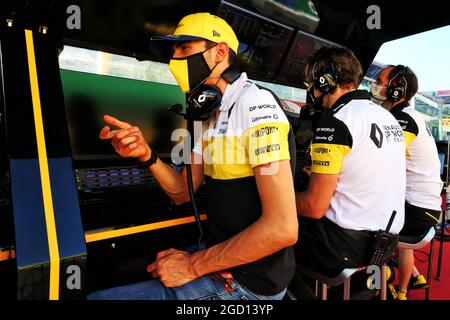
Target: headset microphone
{"type": "Point", "coordinates": [314, 105]}
{"type": "Point", "coordinates": [177, 108]}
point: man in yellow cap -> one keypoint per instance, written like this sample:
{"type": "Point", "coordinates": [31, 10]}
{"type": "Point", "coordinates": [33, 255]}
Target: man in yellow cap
{"type": "Point", "coordinates": [252, 222]}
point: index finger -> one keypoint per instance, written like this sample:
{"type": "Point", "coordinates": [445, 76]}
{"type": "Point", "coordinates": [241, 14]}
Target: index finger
{"type": "Point", "coordinates": [151, 267]}
{"type": "Point", "coordinates": [106, 133]}
{"type": "Point", "coordinates": [116, 122]}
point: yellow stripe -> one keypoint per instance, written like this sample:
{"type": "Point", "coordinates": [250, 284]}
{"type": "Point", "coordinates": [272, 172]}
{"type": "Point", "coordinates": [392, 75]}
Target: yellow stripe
{"type": "Point", "coordinates": [232, 157]}
{"type": "Point", "coordinates": [225, 158]}
{"type": "Point", "coordinates": [434, 218]}
{"type": "Point", "coordinates": [108, 234]}
{"type": "Point", "coordinates": [44, 172]}
{"type": "Point", "coordinates": [409, 137]}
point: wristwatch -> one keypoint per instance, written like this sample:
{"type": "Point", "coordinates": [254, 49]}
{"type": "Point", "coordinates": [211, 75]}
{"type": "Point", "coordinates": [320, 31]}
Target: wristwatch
{"type": "Point", "coordinates": [149, 162]}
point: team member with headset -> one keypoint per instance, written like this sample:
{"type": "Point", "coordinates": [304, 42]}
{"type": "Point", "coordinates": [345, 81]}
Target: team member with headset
{"type": "Point", "coordinates": [357, 172]}
{"type": "Point", "coordinates": [252, 223]}
{"type": "Point", "coordinates": [393, 89]}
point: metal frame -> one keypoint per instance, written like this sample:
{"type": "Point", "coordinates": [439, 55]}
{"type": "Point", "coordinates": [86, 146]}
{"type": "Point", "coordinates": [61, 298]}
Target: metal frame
{"type": "Point", "coordinates": [428, 238]}
{"type": "Point", "coordinates": [48, 229]}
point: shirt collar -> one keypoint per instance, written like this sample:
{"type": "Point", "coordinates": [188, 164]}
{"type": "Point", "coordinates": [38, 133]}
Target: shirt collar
{"type": "Point", "coordinates": [231, 91]}
{"type": "Point", "coordinates": [349, 96]}
{"type": "Point", "coordinates": [400, 106]}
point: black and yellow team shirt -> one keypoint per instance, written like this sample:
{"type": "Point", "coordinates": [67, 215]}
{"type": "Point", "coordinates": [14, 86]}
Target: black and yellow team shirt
{"type": "Point", "coordinates": [423, 180]}
{"type": "Point", "coordinates": [250, 129]}
{"type": "Point", "coordinates": [364, 145]}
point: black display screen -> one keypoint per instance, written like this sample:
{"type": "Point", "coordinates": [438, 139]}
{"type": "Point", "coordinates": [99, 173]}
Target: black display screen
{"type": "Point", "coordinates": [293, 70]}
{"type": "Point", "coordinates": [265, 41]}
{"type": "Point", "coordinates": [141, 103]}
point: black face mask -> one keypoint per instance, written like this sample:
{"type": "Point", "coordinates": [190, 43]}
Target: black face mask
{"type": "Point", "coordinates": [197, 70]}
{"type": "Point", "coordinates": [314, 104]}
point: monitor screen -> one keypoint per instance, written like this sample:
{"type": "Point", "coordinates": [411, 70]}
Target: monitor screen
{"type": "Point", "coordinates": [304, 46]}
{"type": "Point", "coordinates": [141, 103]}
{"type": "Point", "coordinates": [124, 27]}
{"type": "Point", "coordinates": [265, 41]}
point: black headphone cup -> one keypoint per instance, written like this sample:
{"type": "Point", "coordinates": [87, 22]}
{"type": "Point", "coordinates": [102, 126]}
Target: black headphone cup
{"type": "Point", "coordinates": [398, 84]}
{"type": "Point", "coordinates": [325, 82]}
{"type": "Point", "coordinates": [324, 77]}
{"type": "Point", "coordinates": [202, 103]}
{"type": "Point", "coordinates": [395, 93]}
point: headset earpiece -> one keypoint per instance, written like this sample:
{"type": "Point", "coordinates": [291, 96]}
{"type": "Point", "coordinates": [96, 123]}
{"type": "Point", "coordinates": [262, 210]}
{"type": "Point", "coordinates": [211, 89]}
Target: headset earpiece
{"type": "Point", "coordinates": [325, 79]}
{"type": "Point", "coordinates": [202, 103]}
{"type": "Point", "coordinates": [396, 88]}
{"type": "Point", "coordinates": [206, 99]}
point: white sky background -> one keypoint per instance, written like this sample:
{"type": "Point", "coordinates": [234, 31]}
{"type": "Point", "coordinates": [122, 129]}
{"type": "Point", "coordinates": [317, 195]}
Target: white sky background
{"type": "Point", "coordinates": [427, 54]}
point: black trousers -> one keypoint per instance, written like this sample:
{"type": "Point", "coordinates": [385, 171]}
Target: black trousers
{"type": "Point", "coordinates": [418, 220]}
{"type": "Point", "coordinates": [328, 249]}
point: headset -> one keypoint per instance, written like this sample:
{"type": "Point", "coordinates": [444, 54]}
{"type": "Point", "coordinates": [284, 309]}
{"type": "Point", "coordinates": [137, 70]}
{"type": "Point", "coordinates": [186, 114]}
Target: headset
{"type": "Point", "coordinates": [204, 100]}
{"type": "Point", "coordinates": [325, 79]}
{"type": "Point", "coordinates": [397, 86]}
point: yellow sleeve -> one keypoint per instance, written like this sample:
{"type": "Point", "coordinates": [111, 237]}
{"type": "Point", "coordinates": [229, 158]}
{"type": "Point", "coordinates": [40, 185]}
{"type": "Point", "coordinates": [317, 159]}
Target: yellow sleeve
{"type": "Point", "coordinates": [409, 137]}
{"type": "Point", "coordinates": [328, 158]}
{"type": "Point", "coordinates": [267, 143]}
{"type": "Point", "coordinates": [331, 143]}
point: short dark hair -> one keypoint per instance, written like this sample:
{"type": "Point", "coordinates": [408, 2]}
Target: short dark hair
{"type": "Point", "coordinates": [412, 85]}
{"type": "Point", "coordinates": [346, 66]}
{"type": "Point", "coordinates": [231, 54]}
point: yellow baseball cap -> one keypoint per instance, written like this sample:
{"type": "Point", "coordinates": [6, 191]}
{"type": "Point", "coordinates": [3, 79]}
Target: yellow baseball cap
{"type": "Point", "coordinates": [206, 26]}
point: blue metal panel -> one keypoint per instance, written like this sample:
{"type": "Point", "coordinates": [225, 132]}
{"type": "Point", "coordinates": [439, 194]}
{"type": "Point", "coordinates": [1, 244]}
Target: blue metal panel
{"type": "Point", "coordinates": [66, 208]}
{"type": "Point", "coordinates": [29, 222]}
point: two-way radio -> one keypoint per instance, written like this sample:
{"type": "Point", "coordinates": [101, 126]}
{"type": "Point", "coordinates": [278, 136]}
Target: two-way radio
{"type": "Point", "coordinates": [384, 243]}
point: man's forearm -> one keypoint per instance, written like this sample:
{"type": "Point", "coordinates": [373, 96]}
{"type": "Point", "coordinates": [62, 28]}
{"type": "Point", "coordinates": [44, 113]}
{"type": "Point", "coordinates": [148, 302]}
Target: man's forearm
{"type": "Point", "coordinates": [170, 181]}
{"type": "Point", "coordinates": [261, 239]}
{"type": "Point", "coordinates": [308, 206]}
{"type": "Point", "coordinates": [303, 205]}
{"type": "Point", "coordinates": [315, 201]}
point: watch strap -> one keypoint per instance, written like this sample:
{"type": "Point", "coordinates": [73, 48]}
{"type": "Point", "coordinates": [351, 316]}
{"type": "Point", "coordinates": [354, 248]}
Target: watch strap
{"type": "Point", "coordinates": [149, 162]}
